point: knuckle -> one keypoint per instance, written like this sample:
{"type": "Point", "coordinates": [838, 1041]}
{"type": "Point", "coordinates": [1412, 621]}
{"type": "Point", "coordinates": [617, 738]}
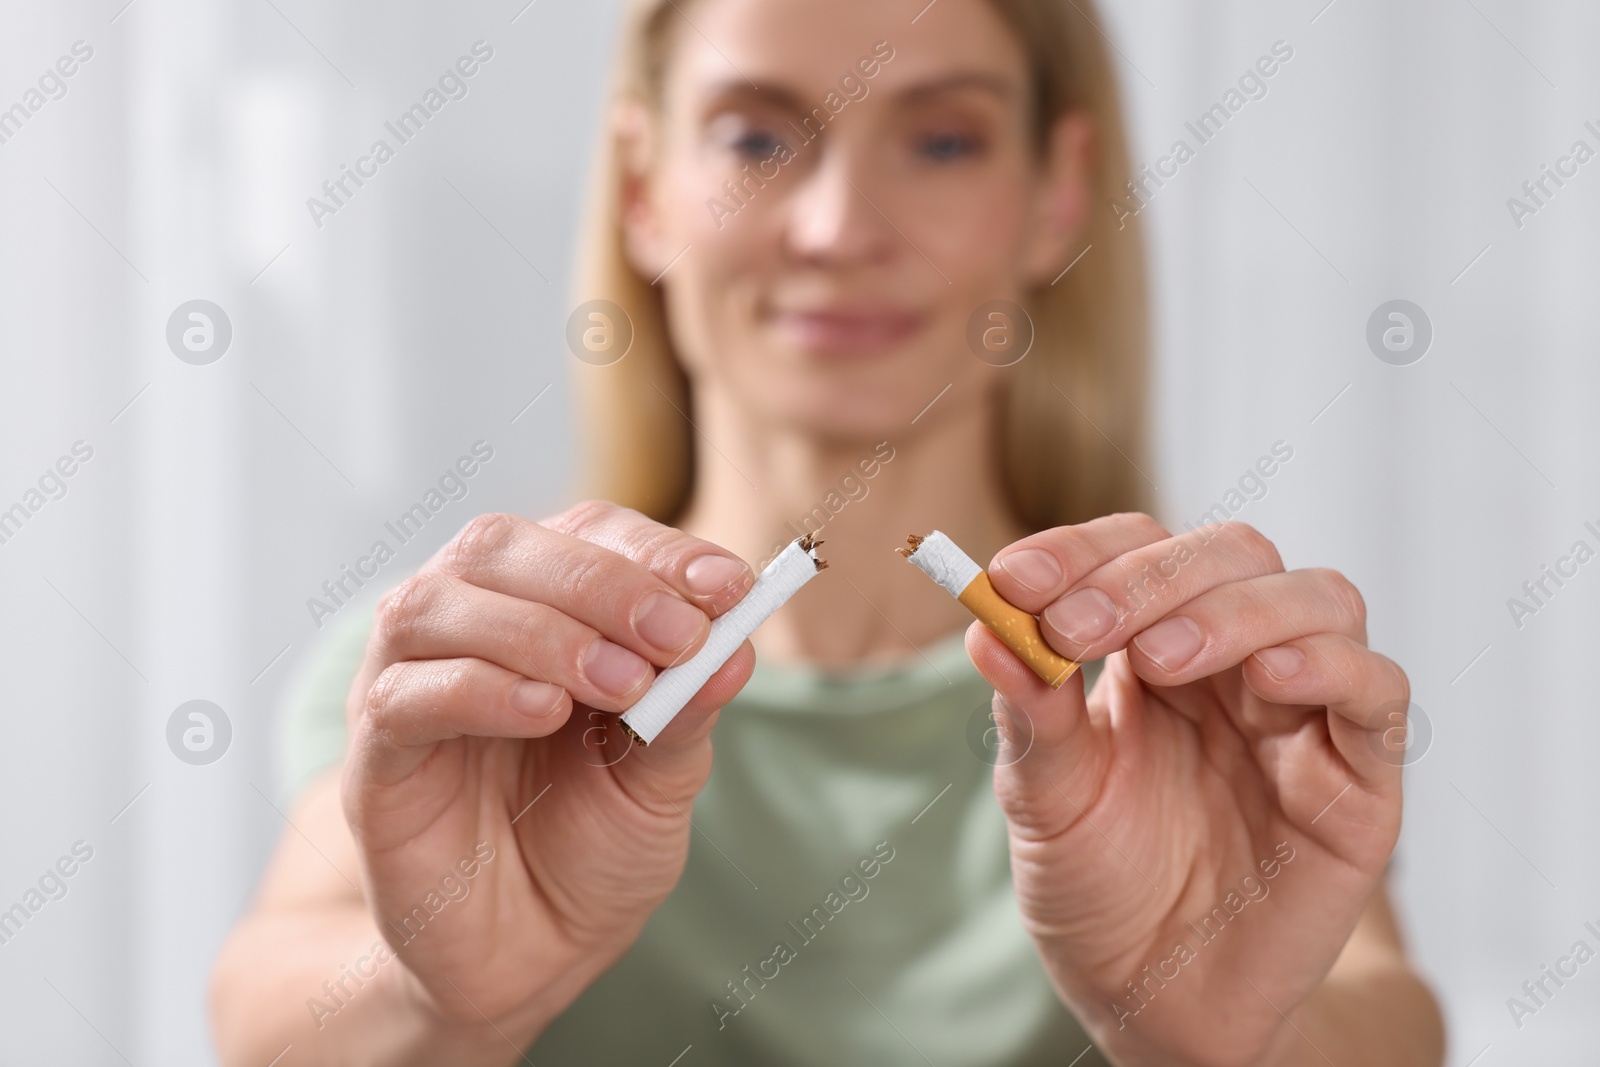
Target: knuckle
{"type": "Point", "coordinates": [1351, 669]}
{"type": "Point", "coordinates": [1402, 681]}
{"type": "Point", "coordinates": [584, 570]}
{"type": "Point", "coordinates": [1242, 533]}
{"type": "Point", "coordinates": [1253, 541]}
{"type": "Point", "coordinates": [1342, 591]}
{"type": "Point", "coordinates": [477, 542]}
{"type": "Point", "coordinates": [529, 639]}
{"type": "Point", "coordinates": [383, 698]}
{"type": "Point", "coordinates": [402, 606]}
{"type": "Point", "coordinates": [653, 541]}
{"type": "Point", "coordinates": [455, 684]}
{"type": "Point", "coordinates": [1357, 603]}
{"type": "Point", "coordinates": [1147, 526]}
{"type": "Point", "coordinates": [623, 531]}
{"type": "Point", "coordinates": [584, 515]}
{"type": "Point", "coordinates": [1126, 570]}
{"type": "Point", "coordinates": [1351, 663]}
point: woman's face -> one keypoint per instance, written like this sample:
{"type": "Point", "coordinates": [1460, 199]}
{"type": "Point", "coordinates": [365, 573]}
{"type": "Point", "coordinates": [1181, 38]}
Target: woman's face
{"type": "Point", "coordinates": [833, 190]}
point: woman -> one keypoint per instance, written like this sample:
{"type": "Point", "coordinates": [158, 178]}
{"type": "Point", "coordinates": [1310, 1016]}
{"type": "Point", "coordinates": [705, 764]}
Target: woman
{"type": "Point", "coordinates": [805, 210]}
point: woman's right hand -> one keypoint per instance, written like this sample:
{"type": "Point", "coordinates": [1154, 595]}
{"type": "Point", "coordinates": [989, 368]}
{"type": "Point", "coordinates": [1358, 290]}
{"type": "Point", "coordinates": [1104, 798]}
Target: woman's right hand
{"type": "Point", "coordinates": [485, 712]}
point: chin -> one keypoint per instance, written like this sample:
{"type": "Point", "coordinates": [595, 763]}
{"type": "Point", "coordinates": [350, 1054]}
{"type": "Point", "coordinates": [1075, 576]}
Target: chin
{"type": "Point", "coordinates": [841, 408]}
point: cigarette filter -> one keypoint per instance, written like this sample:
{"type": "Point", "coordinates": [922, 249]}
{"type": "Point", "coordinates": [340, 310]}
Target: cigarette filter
{"type": "Point", "coordinates": [940, 559]}
{"type": "Point", "coordinates": [782, 579]}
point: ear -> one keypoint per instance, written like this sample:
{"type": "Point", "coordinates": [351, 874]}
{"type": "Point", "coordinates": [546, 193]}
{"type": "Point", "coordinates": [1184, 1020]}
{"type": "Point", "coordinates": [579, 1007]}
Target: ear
{"type": "Point", "coordinates": [1062, 200]}
{"type": "Point", "coordinates": [634, 130]}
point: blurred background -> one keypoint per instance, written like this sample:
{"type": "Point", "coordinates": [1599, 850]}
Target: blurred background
{"type": "Point", "coordinates": [343, 361]}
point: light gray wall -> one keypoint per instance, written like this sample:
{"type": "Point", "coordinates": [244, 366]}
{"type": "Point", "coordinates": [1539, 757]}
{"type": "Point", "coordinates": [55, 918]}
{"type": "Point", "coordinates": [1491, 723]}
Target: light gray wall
{"type": "Point", "coordinates": [1378, 166]}
{"type": "Point", "coordinates": [370, 352]}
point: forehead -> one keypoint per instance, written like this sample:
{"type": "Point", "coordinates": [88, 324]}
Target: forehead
{"type": "Point", "coordinates": [805, 46]}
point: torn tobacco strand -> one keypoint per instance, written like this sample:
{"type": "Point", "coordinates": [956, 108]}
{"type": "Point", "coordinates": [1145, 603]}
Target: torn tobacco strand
{"type": "Point", "coordinates": [673, 687]}
{"type": "Point", "coordinates": [940, 559]}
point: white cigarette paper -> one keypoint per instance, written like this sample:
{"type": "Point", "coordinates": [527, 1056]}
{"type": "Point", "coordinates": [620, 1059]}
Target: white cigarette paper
{"type": "Point", "coordinates": [942, 560]}
{"type": "Point", "coordinates": [789, 570]}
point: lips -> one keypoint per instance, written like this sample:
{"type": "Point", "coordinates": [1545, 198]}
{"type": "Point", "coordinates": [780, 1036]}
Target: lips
{"type": "Point", "coordinates": [845, 330]}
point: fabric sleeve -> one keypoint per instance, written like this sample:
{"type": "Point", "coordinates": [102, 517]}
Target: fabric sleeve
{"type": "Point", "coordinates": [310, 729]}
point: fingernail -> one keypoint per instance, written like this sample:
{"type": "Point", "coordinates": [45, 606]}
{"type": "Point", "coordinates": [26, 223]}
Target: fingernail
{"type": "Point", "coordinates": [614, 668]}
{"type": "Point", "coordinates": [668, 622]}
{"type": "Point", "coordinates": [1085, 616]}
{"type": "Point", "coordinates": [533, 698]}
{"type": "Point", "coordinates": [1171, 642]}
{"type": "Point", "coordinates": [1032, 567]}
{"type": "Point", "coordinates": [1282, 662]}
{"type": "Point", "coordinates": [712, 574]}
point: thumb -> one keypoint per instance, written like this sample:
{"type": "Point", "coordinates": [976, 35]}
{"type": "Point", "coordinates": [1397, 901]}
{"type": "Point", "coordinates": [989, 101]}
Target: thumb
{"type": "Point", "coordinates": [1052, 756]}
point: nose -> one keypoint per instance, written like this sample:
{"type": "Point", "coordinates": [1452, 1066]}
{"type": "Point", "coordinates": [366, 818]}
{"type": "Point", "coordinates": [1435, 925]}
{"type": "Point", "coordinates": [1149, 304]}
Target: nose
{"type": "Point", "coordinates": [832, 220]}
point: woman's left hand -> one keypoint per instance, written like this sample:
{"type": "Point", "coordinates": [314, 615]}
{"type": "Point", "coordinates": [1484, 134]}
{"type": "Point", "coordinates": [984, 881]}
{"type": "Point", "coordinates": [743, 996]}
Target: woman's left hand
{"type": "Point", "coordinates": [1193, 843]}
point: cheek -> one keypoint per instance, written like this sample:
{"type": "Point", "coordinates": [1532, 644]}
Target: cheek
{"type": "Point", "coordinates": [734, 250]}
{"type": "Point", "coordinates": [981, 245]}
{"type": "Point", "coordinates": [698, 204]}
{"type": "Point", "coordinates": [983, 251]}
{"type": "Point", "coordinates": [693, 191]}
{"type": "Point", "coordinates": [730, 240]}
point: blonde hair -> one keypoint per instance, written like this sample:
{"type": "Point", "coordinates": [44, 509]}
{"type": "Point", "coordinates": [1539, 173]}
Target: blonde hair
{"type": "Point", "coordinates": [1065, 459]}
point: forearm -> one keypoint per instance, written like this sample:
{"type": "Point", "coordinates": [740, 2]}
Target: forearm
{"type": "Point", "coordinates": [323, 984]}
{"type": "Point", "coordinates": [1383, 1016]}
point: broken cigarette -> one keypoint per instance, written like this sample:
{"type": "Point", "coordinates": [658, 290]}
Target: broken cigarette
{"type": "Point", "coordinates": [940, 559]}
{"type": "Point", "coordinates": [789, 570]}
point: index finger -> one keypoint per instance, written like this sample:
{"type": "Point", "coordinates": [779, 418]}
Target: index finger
{"type": "Point", "coordinates": [652, 593]}
{"type": "Point", "coordinates": [1033, 572]}
{"type": "Point", "coordinates": [710, 575]}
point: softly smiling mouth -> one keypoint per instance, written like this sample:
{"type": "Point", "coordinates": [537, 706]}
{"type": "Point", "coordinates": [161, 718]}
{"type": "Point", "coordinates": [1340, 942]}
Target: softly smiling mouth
{"type": "Point", "coordinates": [838, 330]}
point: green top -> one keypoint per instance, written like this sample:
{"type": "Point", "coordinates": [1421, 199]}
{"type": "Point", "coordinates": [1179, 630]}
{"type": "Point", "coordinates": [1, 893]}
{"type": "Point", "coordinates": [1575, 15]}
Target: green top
{"type": "Point", "coordinates": [818, 776]}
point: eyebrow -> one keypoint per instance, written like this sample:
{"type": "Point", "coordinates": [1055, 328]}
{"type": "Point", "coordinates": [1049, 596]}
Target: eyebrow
{"type": "Point", "coordinates": [779, 94]}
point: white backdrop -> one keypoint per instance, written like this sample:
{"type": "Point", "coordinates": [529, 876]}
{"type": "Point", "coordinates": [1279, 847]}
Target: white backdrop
{"type": "Point", "coordinates": [368, 353]}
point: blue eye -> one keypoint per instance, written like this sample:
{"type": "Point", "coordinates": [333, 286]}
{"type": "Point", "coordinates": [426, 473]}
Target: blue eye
{"type": "Point", "coordinates": [757, 144]}
{"type": "Point", "coordinates": [944, 147]}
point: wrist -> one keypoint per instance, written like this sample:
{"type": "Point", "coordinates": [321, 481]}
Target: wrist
{"type": "Point", "coordinates": [473, 1022]}
{"type": "Point", "coordinates": [1288, 1044]}
{"type": "Point", "coordinates": [448, 1025]}
{"type": "Point", "coordinates": [1134, 1030]}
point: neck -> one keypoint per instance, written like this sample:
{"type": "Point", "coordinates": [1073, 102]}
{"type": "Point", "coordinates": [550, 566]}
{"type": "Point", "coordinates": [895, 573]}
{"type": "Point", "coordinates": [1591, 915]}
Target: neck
{"type": "Point", "coordinates": [757, 488]}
